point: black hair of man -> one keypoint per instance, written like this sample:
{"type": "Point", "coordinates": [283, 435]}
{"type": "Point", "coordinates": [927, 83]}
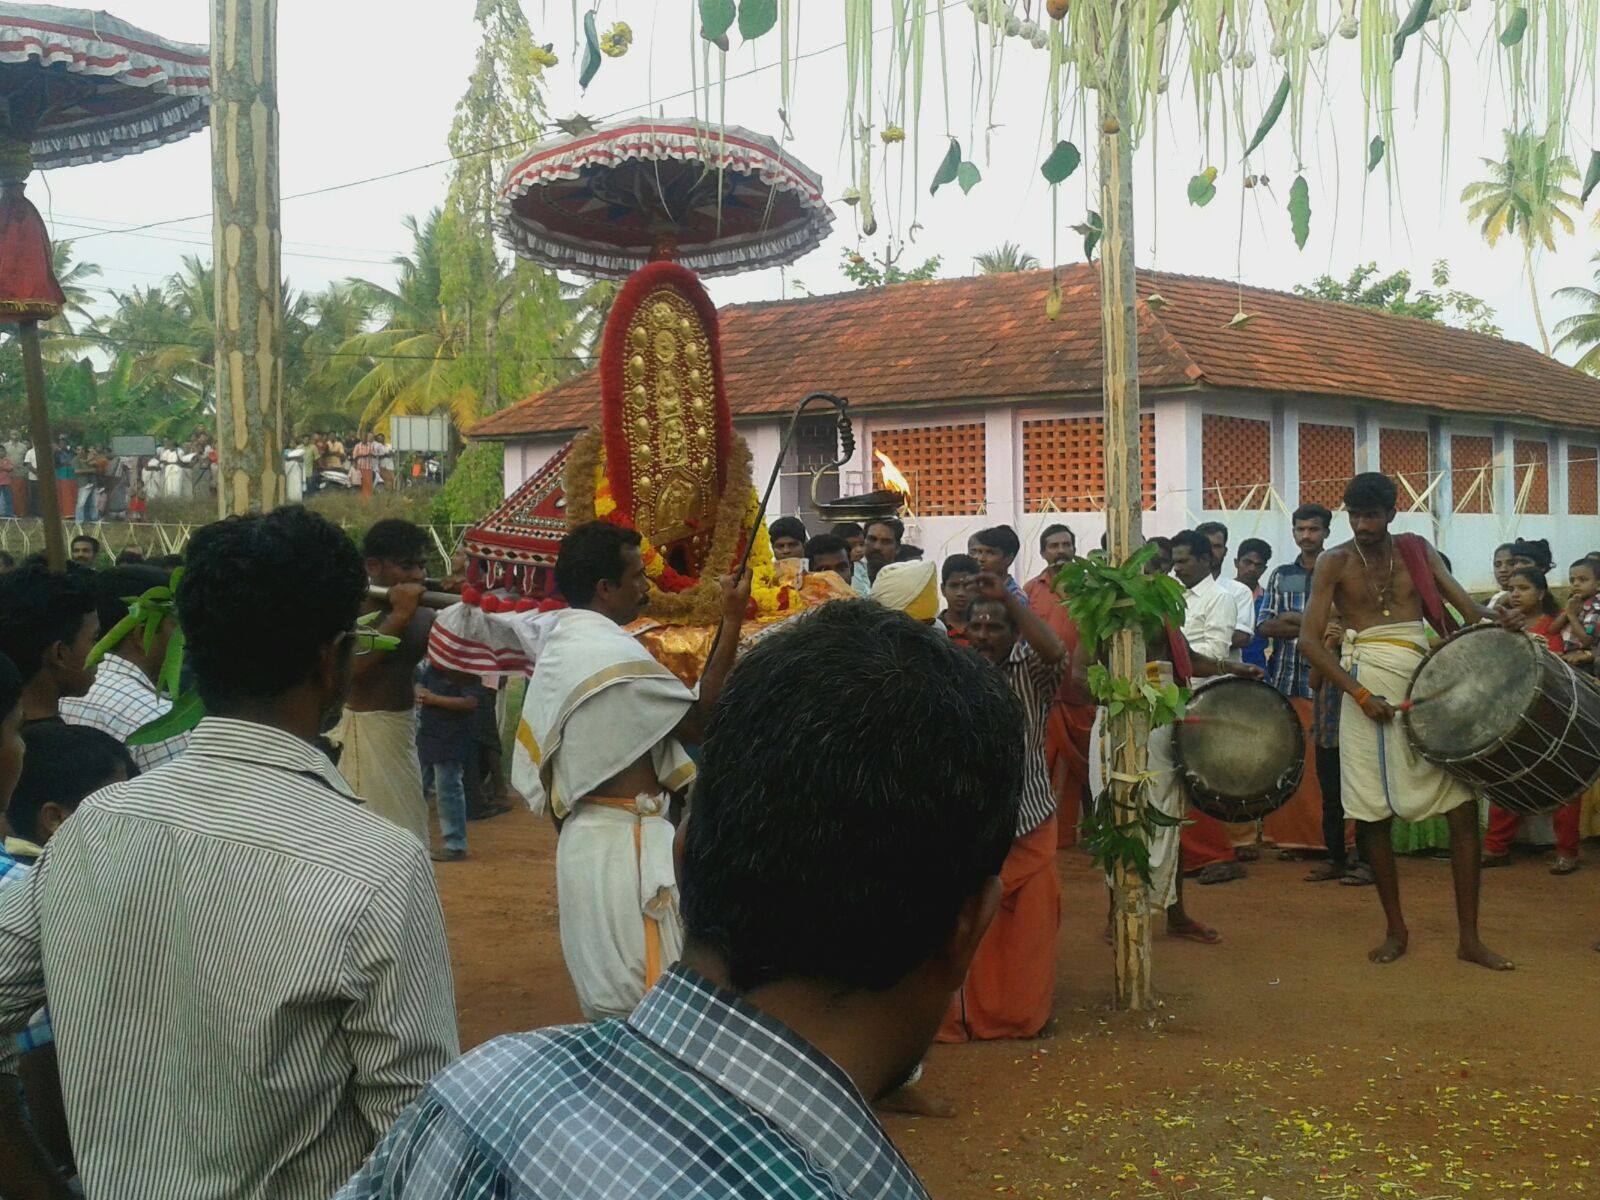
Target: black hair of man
{"type": "Point", "coordinates": [169, 562]}
{"type": "Point", "coordinates": [1197, 543]}
{"type": "Point", "coordinates": [791, 527]}
{"type": "Point", "coordinates": [909, 553]}
{"type": "Point", "coordinates": [825, 543]}
{"type": "Point", "coordinates": [115, 584]}
{"type": "Point", "coordinates": [847, 529]}
{"type": "Point", "coordinates": [1206, 528]}
{"type": "Point", "coordinates": [819, 850]}
{"type": "Point", "coordinates": [590, 553]}
{"type": "Point", "coordinates": [1001, 538]}
{"type": "Point", "coordinates": [894, 524]}
{"type": "Point", "coordinates": [957, 564]}
{"type": "Point", "coordinates": [395, 540]}
{"type": "Point", "coordinates": [94, 543]}
{"type": "Point", "coordinates": [40, 607]}
{"type": "Point", "coordinates": [1370, 491]}
{"type": "Point", "coordinates": [996, 609]}
{"type": "Point", "coordinates": [1588, 561]}
{"type": "Point", "coordinates": [1049, 532]}
{"type": "Point", "coordinates": [1164, 544]}
{"type": "Point", "coordinates": [1535, 550]}
{"type": "Point", "coordinates": [1314, 512]}
{"type": "Point", "coordinates": [64, 765]}
{"type": "Point", "coordinates": [130, 556]}
{"type": "Point", "coordinates": [1256, 546]}
{"type": "Point", "coordinates": [261, 597]}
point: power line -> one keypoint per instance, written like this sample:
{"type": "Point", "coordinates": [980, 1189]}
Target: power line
{"type": "Point", "coordinates": [153, 343]}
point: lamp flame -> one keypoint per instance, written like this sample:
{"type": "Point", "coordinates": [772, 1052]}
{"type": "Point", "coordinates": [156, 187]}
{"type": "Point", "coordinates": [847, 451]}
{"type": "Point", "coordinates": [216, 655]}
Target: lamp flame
{"type": "Point", "coordinates": [892, 479]}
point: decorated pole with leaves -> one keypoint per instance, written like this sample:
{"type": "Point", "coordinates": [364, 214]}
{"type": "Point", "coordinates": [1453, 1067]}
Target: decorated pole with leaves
{"type": "Point", "coordinates": [246, 245]}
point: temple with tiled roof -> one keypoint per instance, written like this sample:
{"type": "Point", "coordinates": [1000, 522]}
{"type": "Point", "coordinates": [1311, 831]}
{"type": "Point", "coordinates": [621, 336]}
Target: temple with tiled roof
{"type": "Point", "coordinates": [992, 411]}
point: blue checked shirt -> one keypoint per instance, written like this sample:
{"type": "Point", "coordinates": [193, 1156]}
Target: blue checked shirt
{"type": "Point", "coordinates": [697, 1094]}
{"type": "Point", "coordinates": [1288, 589]}
{"type": "Point", "coordinates": [39, 1031]}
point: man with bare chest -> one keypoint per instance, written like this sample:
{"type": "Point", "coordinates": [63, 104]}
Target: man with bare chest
{"type": "Point", "coordinates": [378, 731]}
{"type": "Point", "coordinates": [1383, 586]}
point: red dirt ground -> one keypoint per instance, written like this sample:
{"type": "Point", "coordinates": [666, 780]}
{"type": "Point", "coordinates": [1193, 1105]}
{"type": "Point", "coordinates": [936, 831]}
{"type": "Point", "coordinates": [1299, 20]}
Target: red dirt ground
{"type": "Point", "coordinates": [1280, 1064]}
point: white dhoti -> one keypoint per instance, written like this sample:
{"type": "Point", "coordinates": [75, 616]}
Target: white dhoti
{"type": "Point", "coordinates": [619, 900]}
{"type": "Point", "coordinates": [1381, 775]}
{"type": "Point", "coordinates": [1163, 792]}
{"type": "Point", "coordinates": [379, 762]}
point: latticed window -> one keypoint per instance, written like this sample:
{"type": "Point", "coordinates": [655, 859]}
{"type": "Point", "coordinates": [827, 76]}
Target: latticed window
{"type": "Point", "coordinates": [1530, 476]}
{"type": "Point", "coordinates": [1472, 473]}
{"type": "Point", "coordinates": [1327, 461]}
{"type": "Point", "coordinates": [1583, 480]}
{"type": "Point", "coordinates": [1403, 457]}
{"type": "Point", "coordinates": [1063, 463]}
{"type": "Point", "coordinates": [1235, 460]}
{"type": "Point", "coordinates": [943, 463]}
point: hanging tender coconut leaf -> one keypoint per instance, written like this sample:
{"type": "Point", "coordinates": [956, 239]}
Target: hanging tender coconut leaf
{"type": "Point", "coordinates": [716, 18]}
{"type": "Point", "coordinates": [968, 175]}
{"type": "Point", "coordinates": [591, 50]}
{"type": "Point", "coordinates": [1203, 188]}
{"type": "Point", "coordinates": [948, 168]}
{"type": "Point", "coordinates": [1374, 154]}
{"type": "Point", "coordinates": [1063, 161]}
{"type": "Point", "coordinates": [1515, 28]}
{"type": "Point", "coordinates": [1591, 177]}
{"type": "Point", "coordinates": [757, 17]}
{"type": "Point", "coordinates": [1172, 7]}
{"type": "Point", "coordinates": [183, 716]}
{"type": "Point", "coordinates": [1415, 19]}
{"type": "Point", "coordinates": [1270, 117]}
{"type": "Point", "coordinates": [1300, 210]}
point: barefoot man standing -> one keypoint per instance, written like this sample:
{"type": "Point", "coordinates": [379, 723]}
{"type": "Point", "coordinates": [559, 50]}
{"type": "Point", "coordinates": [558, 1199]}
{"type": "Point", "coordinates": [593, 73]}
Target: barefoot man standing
{"type": "Point", "coordinates": [1383, 586]}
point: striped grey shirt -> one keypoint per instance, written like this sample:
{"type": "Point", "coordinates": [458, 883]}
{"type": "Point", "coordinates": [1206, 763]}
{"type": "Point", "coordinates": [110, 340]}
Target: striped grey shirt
{"type": "Point", "coordinates": [1034, 683]}
{"type": "Point", "coordinates": [247, 972]}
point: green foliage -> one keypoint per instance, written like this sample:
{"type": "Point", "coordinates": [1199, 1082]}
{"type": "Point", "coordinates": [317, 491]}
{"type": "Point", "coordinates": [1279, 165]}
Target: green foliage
{"type": "Point", "coordinates": [1104, 599]}
{"type": "Point", "coordinates": [716, 18]}
{"type": "Point", "coordinates": [1005, 259]}
{"type": "Point", "coordinates": [949, 167]}
{"type": "Point", "coordinates": [1375, 153]}
{"type": "Point", "coordinates": [1270, 117]}
{"type": "Point", "coordinates": [1392, 293]}
{"type": "Point", "coordinates": [476, 487]}
{"type": "Point", "coordinates": [757, 17]}
{"type": "Point", "coordinates": [1203, 188]}
{"type": "Point", "coordinates": [1063, 161]}
{"type": "Point", "coordinates": [591, 51]}
{"type": "Point", "coordinates": [1581, 330]}
{"type": "Point", "coordinates": [1300, 210]}
{"type": "Point", "coordinates": [865, 272]}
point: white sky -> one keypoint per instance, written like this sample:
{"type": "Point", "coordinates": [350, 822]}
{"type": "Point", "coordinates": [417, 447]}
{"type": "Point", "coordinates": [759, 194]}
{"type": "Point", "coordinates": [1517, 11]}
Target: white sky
{"type": "Point", "coordinates": [368, 87]}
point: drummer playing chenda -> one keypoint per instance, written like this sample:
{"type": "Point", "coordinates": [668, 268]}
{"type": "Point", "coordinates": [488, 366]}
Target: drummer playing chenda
{"type": "Point", "coordinates": [1384, 586]}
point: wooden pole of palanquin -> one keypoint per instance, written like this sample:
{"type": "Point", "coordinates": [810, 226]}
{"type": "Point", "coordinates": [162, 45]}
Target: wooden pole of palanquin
{"type": "Point", "coordinates": [1124, 487]}
{"type": "Point", "coordinates": [246, 255]}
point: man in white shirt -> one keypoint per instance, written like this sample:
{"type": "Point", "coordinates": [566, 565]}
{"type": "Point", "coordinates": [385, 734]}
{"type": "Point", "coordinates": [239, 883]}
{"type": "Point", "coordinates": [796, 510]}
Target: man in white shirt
{"type": "Point", "coordinates": [1245, 626]}
{"type": "Point", "coordinates": [1211, 611]}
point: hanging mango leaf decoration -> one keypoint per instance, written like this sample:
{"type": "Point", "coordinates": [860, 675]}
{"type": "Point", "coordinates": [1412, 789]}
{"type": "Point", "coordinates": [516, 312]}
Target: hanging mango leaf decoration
{"type": "Point", "coordinates": [1092, 229]}
{"type": "Point", "coordinates": [591, 50]}
{"type": "Point", "coordinates": [1375, 154]}
{"type": "Point", "coordinates": [1591, 177]}
{"type": "Point", "coordinates": [1415, 19]}
{"type": "Point", "coordinates": [1515, 27]}
{"type": "Point", "coordinates": [1270, 117]}
{"type": "Point", "coordinates": [757, 17]}
{"type": "Point", "coordinates": [968, 176]}
{"type": "Point", "coordinates": [147, 613]}
{"type": "Point", "coordinates": [1063, 161]}
{"type": "Point", "coordinates": [949, 168]}
{"type": "Point", "coordinates": [1300, 210]}
{"type": "Point", "coordinates": [1203, 188]}
{"type": "Point", "coordinates": [716, 18]}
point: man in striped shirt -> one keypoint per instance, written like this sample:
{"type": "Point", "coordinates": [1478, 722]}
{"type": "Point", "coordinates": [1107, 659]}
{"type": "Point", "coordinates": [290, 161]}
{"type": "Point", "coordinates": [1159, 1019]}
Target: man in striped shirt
{"type": "Point", "coordinates": [247, 971]}
{"type": "Point", "coordinates": [835, 885]}
{"type": "Point", "coordinates": [1007, 994]}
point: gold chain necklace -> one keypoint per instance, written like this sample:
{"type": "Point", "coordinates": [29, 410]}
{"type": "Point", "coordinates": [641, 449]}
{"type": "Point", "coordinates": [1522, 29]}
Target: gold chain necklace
{"type": "Point", "coordinates": [1388, 588]}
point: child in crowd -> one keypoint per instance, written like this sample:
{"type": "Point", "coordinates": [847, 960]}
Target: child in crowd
{"type": "Point", "coordinates": [1580, 620]}
{"type": "Point", "coordinates": [445, 736]}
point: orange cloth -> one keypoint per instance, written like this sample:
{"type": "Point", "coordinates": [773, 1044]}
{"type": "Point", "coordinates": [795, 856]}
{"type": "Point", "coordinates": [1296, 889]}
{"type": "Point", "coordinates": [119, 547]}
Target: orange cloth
{"type": "Point", "coordinates": [1298, 824]}
{"type": "Point", "coordinates": [66, 497]}
{"type": "Point", "coordinates": [19, 495]}
{"type": "Point", "coordinates": [1206, 840]}
{"type": "Point", "coordinates": [1066, 736]}
{"type": "Point", "coordinates": [1012, 979]}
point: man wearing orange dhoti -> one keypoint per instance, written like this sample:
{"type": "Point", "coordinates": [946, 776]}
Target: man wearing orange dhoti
{"type": "Point", "coordinates": [1066, 734]}
{"type": "Point", "coordinates": [1012, 979]}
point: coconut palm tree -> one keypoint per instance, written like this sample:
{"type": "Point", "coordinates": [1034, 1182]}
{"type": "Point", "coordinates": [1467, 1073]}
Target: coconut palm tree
{"type": "Point", "coordinates": [1005, 259]}
{"type": "Point", "coordinates": [1525, 195]}
{"type": "Point", "coordinates": [1581, 330]}
{"type": "Point", "coordinates": [63, 341]}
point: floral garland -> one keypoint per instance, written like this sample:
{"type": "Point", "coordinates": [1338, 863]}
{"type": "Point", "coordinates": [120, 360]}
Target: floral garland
{"type": "Point", "coordinates": [674, 597]}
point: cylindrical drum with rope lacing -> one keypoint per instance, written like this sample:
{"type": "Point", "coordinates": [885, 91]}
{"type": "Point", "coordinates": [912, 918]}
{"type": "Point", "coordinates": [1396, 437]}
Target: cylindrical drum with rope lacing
{"type": "Point", "coordinates": [1498, 710]}
{"type": "Point", "coordinates": [1240, 750]}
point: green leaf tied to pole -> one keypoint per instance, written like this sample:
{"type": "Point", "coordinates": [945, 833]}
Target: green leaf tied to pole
{"type": "Point", "coordinates": [591, 50]}
{"type": "Point", "coordinates": [1300, 210]}
{"type": "Point", "coordinates": [1270, 117]}
{"type": "Point", "coordinates": [1515, 27]}
{"type": "Point", "coordinates": [968, 175]}
{"type": "Point", "coordinates": [1591, 177]}
{"type": "Point", "coordinates": [1063, 161]}
{"type": "Point", "coordinates": [1375, 154]}
{"type": "Point", "coordinates": [948, 168]}
{"type": "Point", "coordinates": [1415, 19]}
{"type": "Point", "coordinates": [757, 17]}
{"type": "Point", "coordinates": [716, 18]}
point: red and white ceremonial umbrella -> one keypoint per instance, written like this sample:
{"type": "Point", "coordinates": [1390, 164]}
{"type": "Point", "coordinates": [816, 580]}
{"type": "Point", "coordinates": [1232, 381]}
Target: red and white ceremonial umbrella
{"type": "Point", "coordinates": [76, 86]}
{"type": "Point", "coordinates": [715, 199]}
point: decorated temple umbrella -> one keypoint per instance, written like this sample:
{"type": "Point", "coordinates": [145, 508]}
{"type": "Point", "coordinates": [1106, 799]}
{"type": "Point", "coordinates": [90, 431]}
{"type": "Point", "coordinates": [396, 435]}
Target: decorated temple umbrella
{"type": "Point", "coordinates": [76, 86]}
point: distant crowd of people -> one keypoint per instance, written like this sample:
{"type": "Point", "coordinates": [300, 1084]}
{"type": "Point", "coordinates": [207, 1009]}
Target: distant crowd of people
{"type": "Point", "coordinates": [93, 484]}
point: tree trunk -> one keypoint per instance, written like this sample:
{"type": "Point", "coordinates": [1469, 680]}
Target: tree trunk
{"type": "Point", "coordinates": [1533, 291]}
{"type": "Point", "coordinates": [44, 449]}
{"type": "Point", "coordinates": [1124, 496]}
{"type": "Point", "coordinates": [491, 323]}
{"type": "Point", "coordinates": [246, 248]}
